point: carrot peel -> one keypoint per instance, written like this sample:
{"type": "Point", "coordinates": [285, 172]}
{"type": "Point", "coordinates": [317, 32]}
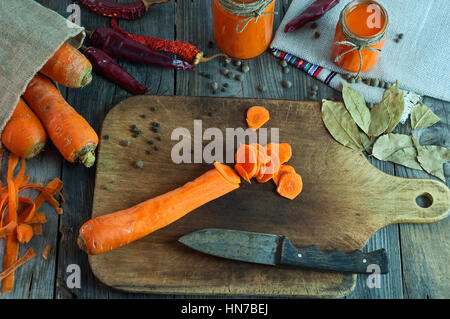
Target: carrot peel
{"type": "Point", "coordinates": [23, 260]}
{"type": "Point", "coordinates": [24, 233]}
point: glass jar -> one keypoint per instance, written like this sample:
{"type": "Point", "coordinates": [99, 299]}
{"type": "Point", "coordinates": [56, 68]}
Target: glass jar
{"type": "Point", "coordinates": [239, 39]}
{"type": "Point", "coordinates": [362, 26]}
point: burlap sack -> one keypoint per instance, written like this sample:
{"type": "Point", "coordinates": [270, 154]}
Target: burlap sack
{"type": "Point", "coordinates": [29, 36]}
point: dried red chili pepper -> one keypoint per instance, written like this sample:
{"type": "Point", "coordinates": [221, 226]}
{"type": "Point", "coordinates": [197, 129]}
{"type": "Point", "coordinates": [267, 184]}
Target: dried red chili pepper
{"type": "Point", "coordinates": [119, 46]}
{"type": "Point", "coordinates": [184, 50]}
{"type": "Point", "coordinates": [126, 11]}
{"type": "Point", "coordinates": [316, 10]}
{"type": "Point", "coordinates": [104, 65]}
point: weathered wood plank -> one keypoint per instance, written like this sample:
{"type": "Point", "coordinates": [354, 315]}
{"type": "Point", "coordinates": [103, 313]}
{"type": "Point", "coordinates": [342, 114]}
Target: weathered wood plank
{"type": "Point", "coordinates": [387, 238]}
{"type": "Point", "coordinates": [36, 279]}
{"type": "Point", "coordinates": [265, 70]}
{"type": "Point", "coordinates": [192, 25]}
{"type": "Point", "coordinates": [425, 249]}
{"type": "Point", "coordinates": [93, 102]}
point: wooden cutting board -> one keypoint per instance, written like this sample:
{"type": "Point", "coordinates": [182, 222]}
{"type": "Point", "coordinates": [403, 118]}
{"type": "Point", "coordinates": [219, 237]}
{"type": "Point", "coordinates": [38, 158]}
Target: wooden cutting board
{"type": "Point", "coordinates": [344, 201]}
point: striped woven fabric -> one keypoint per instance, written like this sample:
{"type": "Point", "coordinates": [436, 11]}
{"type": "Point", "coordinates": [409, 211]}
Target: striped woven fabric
{"type": "Point", "coordinates": [313, 70]}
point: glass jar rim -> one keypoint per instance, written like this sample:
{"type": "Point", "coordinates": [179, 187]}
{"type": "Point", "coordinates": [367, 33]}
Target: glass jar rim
{"type": "Point", "coordinates": [348, 33]}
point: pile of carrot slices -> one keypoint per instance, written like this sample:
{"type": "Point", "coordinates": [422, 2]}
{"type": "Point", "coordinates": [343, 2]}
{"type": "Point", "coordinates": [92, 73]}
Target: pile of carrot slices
{"type": "Point", "coordinates": [267, 163]}
{"type": "Point", "coordinates": [19, 219]}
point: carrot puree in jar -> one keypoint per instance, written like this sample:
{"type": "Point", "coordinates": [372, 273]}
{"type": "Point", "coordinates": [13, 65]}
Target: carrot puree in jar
{"type": "Point", "coordinates": [255, 37]}
{"type": "Point", "coordinates": [361, 22]}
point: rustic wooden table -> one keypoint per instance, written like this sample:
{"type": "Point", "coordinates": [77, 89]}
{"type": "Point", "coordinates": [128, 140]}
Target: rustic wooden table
{"type": "Point", "coordinates": [419, 254]}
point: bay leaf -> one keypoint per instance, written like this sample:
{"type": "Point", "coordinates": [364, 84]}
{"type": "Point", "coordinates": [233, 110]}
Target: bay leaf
{"type": "Point", "coordinates": [422, 116]}
{"type": "Point", "coordinates": [367, 142]}
{"type": "Point", "coordinates": [432, 158]}
{"type": "Point", "coordinates": [356, 105]}
{"type": "Point", "coordinates": [396, 148]}
{"type": "Point", "coordinates": [340, 124]}
{"type": "Point", "coordinates": [395, 105]}
{"type": "Point", "coordinates": [380, 119]}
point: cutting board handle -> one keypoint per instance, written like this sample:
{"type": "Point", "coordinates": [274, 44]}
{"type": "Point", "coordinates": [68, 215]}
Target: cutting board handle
{"type": "Point", "coordinates": [433, 195]}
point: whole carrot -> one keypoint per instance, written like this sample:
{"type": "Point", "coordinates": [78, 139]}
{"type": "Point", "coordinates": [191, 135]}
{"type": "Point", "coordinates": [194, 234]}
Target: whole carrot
{"type": "Point", "coordinates": [72, 135]}
{"type": "Point", "coordinates": [24, 134]}
{"type": "Point", "coordinates": [107, 232]}
{"type": "Point", "coordinates": [68, 67]}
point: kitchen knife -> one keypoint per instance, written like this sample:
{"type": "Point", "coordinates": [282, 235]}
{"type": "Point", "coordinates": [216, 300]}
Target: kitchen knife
{"type": "Point", "coordinates": [277, 250]}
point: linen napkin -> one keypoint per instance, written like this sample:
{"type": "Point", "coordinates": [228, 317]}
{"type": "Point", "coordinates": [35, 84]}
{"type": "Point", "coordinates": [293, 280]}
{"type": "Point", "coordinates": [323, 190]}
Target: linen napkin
{"type": "Point", "coordinates": [29, 36]}
{"type": "Point", "coordinates": [420, 61]}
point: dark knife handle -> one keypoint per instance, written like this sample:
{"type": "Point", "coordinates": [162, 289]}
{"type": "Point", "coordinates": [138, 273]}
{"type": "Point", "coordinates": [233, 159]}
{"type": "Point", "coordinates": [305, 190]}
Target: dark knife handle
{"type": "Point", "coordinates": [355, 262]}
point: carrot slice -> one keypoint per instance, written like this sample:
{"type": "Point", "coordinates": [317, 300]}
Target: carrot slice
{"type": "Point", "coordinates": [24, 233]}
{"type": "Point", "coordinates": [246, 157]}
{"type": "Point", "coordinates": [228, 173]}
{"type": "Point", "coordinates": [257, 116]}
{"type": "Point", "coordinates": [270, 169]}
{"type": "Point", "coordinates": [283, 150]}
{"type": "Point", "coordinates": [24, 259]}
{"type": "Point", "coordinates": [283, 169]}
{"type": "Point", "coordinates": [241, 171]}
{"type": "Point", "coordinates": [290, 185]}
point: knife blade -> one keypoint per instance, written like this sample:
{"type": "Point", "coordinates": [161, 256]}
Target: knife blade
{"type": "Point", "coordinates": [277, 250]}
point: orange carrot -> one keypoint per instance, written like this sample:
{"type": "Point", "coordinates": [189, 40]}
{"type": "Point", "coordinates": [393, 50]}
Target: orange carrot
{"type": "Point", "coordinates": [37, 229]}
{"type": "Point", "coordinates": [227, 173]}
{"type": "Point", "coordinates": [283, 169]}
{"type": "Point", "coordinates": [290, 185]}
{"type": "Point", "coordinates": [262, 158]}
{"type": "Point", "coordinates": [257, 116]}
{"type": "Point", "coordinates": [12, 245]}
{"type": "Point", "coordinates": [241, 171]}
{"type": "Point", "coordinates": [68, 67]}
{"type": "Point", "coordinates": [46, 251]}
{"type": "Point", "coordinates": [8, 229]}
{"type": "Point", "coordinates": [24, 134]}
{"type": "Point", "coordinates": [283, 150]}
{"type": "Point", "coordinates": [29, 212]}
{"type": "Point", "coordinates": [104, 233]}
{"type": "Point", "coordinates": [68, 130]}
{"type": "Point", "coordinates": [38, 218]}
{"type": "Point", "coordinates": [24, 233]}
{"type": "Point", "coordinates": [247, 157]}
{"type": "Point", "coordinates": [8, 271]}
{"type": "Point", "coordinates": [270, 169]}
